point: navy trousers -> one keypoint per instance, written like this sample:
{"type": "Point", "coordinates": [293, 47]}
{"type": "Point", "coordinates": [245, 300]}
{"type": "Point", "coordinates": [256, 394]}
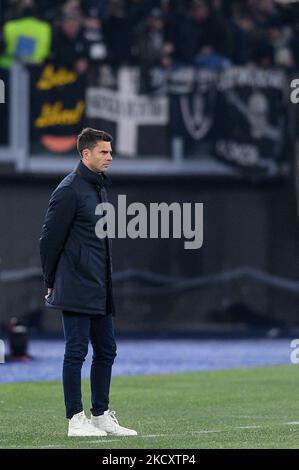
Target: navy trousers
{"type": "Point", "coordinates": [78, 330]}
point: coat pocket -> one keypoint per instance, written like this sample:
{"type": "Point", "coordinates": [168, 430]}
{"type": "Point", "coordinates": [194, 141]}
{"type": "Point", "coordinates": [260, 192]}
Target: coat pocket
{"type": "Point", "coordinates": [83, 263]}
{"type": "Point", "coordinates": [73, 252]}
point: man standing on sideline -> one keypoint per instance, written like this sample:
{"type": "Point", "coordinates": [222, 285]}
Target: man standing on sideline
{"type": "Point", "coordinates": [77, 272]}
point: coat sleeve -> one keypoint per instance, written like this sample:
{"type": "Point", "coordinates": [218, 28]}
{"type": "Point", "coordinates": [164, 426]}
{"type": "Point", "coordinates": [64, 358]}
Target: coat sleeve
{"type": "Point", "coordinates": [58, 220]}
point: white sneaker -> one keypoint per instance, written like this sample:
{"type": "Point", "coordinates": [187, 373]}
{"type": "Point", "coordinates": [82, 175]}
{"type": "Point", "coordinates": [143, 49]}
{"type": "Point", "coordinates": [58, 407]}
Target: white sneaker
{"type": "Point", "coordinates": [108, 422]}
{"type": "Point", "coordinates": [80, 426]}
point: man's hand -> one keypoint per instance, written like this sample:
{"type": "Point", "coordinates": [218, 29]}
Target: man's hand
{"type": "Point", "coordinates": [49, 292]}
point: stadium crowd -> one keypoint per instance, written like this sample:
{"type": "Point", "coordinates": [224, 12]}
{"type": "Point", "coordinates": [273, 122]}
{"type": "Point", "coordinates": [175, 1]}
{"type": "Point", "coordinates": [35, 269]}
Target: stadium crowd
{"type": "Point", "coordinates": [210, 33]}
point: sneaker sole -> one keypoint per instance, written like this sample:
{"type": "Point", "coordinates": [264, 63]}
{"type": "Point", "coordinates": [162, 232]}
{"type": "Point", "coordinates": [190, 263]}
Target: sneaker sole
{"type": "Point", "coordinates": [86, 435]}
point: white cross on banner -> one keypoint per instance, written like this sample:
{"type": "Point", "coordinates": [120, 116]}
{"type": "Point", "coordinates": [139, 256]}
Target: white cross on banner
{"type": "Point", "coordinates": [127, 109]}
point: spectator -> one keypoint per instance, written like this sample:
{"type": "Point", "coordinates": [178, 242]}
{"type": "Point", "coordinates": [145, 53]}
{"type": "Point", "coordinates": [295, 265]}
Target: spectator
{"type": "Point", "coordinates": [200, 37]}
{"type": "Point", "coordinates": [150, 40]}
{"type": "Point", "coordinates": [26, 38]}
{"type": "Point", "coordinates": [69, 45]}
{"type": "Point", "coordinates": [262, 12]}
{"type": "Point", "coordinates": [213, 38]}
{"type": "Point", "coordinates": [241, 26]}
{"type": "Point", "coordinates": [180, 37]}
{"type": "Point", "coordinates": [118, 34]}
{"type": "Point", "coordinates": [279, 38]}
{"type": "Point", "coordinates": [94, 36]}
{"type": "Point", "coordinates": [265, 21]}
{"type": "Point", "coordinates": [151, 51]}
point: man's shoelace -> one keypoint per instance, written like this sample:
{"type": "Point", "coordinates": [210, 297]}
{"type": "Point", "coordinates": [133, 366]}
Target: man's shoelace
{"type": "Point", "coordinates": [112, 416]}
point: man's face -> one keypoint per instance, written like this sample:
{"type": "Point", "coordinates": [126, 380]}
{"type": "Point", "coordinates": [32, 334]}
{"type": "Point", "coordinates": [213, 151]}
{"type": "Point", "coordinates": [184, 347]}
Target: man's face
{"type": "Point", "coordinates": [71, 27]}
{"type": "Point", "coordinates": [99, 158]}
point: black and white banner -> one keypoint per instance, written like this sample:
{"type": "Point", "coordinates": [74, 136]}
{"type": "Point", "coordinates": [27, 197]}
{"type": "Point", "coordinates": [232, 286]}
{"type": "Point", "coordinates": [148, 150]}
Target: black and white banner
{"type": "Point", "coordinates": [138, 122]}
{"type": "Point", "coordinates": [192, 103]}
{"type": "Point", "coordinates": [251, 117]}
{"type": "Point", "coordinates": [238, 115]}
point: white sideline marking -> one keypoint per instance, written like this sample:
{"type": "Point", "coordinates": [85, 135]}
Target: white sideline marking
{"type": "Point", "coordinates": [77, 442]}
{"type": "Point", "coordinates": [250, 426]}
{"type": "Point", "coordinates": [292, 422]}
{"type": "Point", "coordinates": [248, 416]}
{"type": "Point", "coordinates": [206, 431]}
{"type": "Point", "coordinates": [98, 442]}
{"type": "Point", "coordinates": [178, 435]}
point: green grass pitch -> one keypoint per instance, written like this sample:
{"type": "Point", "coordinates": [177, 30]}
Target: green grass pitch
{"type": "Point", "coordinates": [238, 408]}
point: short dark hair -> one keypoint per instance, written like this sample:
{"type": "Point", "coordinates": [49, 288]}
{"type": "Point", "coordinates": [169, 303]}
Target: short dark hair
{"type": "Point", "coordinates": [89, 137]}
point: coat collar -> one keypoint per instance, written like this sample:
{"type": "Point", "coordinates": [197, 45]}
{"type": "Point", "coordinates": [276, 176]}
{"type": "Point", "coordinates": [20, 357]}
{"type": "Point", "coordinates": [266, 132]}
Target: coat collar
{"type": "Point", "coordinates": [98, 179]}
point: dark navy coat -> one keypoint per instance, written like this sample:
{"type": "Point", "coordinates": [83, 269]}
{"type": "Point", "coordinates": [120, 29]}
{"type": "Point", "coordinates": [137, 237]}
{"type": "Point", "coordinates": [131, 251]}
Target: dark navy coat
{"type": "Point", "coordinates": [76, 263]}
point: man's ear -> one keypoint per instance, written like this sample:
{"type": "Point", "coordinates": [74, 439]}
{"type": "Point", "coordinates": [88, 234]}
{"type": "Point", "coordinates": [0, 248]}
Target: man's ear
{"type": "Point", "coordinates": [85, 154]}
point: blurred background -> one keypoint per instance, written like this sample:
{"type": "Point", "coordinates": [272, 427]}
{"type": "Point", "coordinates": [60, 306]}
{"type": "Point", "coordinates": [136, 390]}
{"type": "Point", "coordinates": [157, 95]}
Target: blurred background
{"type": "Point", "coordinates": [197, 96]}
